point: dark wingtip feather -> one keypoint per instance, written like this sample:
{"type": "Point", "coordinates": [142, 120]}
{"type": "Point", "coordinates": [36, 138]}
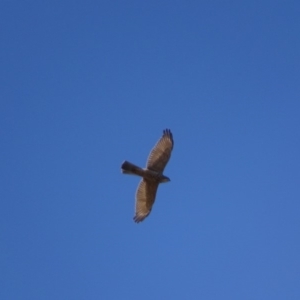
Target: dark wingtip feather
{"type": "Point", "coordinates": [137, 219]}
{"type": "Point", "coordinates": [167, 132]}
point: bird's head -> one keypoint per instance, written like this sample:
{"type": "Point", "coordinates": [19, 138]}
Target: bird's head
{"type": "Point", "coordinates": [165, 179]}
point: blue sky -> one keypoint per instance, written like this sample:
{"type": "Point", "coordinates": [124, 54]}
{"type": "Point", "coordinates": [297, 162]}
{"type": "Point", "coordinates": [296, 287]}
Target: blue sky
{"type": "Point", "coordinates": [87, 84]}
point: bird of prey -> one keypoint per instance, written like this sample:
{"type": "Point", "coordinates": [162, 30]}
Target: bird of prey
{"type": "Point", "coordinates": [152, 175]}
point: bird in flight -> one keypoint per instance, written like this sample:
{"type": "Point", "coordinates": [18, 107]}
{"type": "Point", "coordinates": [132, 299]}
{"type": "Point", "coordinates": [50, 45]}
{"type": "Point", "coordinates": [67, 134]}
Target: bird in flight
{"type": "Point", "coordinates": [152, 175]}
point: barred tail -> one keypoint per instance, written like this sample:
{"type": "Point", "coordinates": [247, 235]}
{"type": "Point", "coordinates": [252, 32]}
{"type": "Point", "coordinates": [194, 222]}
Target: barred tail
{"type": "Point", "coordinates": [129, 168]}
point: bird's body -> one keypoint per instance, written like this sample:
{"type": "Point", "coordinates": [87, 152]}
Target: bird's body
{"type": "Point", "coordinates": [131, 169]}
{"type": "Point", "coordinates": [152, 175]}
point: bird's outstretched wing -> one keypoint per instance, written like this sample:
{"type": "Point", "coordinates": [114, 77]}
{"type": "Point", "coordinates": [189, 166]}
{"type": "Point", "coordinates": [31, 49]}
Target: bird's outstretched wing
{"type": "Point", "coordinates": [161, 153]}
{"type": "Point", "coordinates": [144, 199]}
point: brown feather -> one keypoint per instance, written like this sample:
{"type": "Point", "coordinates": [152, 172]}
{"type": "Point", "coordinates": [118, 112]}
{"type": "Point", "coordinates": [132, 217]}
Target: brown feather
{"type": "Point", "coordinates": [144, 199]}
{"type": "Point", "coordinates": [161, 153]}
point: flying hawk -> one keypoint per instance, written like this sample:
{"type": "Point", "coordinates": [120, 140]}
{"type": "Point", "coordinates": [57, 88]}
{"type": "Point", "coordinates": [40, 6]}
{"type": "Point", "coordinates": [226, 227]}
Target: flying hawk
{"type": "Point", "coordinates": [152, 175]}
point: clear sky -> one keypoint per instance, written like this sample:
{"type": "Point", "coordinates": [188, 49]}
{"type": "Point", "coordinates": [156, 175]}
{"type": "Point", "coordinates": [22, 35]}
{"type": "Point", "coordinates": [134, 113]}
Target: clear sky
{"type": "Point", "coordinates": [85, 85]}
